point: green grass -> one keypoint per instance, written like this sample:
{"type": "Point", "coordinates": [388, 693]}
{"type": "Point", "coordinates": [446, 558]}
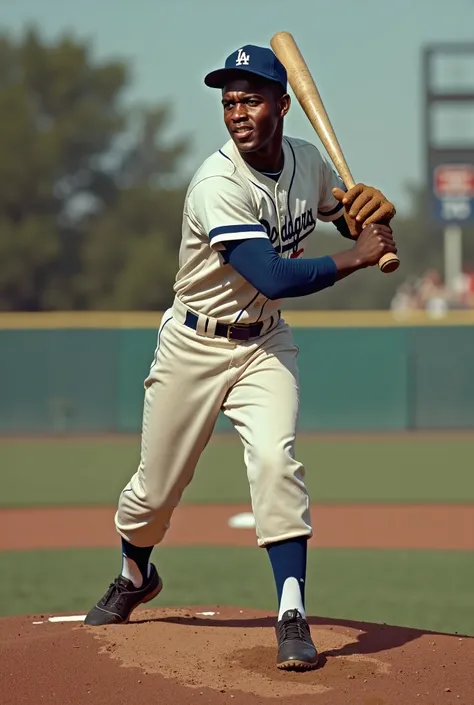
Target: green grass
{"type": "Point", "coordinates": [47, 472]}
{"type": "Point", "coordinates": [423, 589]}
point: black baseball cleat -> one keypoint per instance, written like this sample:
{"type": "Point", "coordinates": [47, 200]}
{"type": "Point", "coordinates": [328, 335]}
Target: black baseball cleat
{"type": "Point", "coordinates": [121, 598]}
{"type": "Point", "coordinates": [296, 651]}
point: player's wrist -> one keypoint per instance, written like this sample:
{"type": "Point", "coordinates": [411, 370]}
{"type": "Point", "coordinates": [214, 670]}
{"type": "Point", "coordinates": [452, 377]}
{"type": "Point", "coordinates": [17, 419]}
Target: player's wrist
{"type": "Point", "coordinates": [348, 261]}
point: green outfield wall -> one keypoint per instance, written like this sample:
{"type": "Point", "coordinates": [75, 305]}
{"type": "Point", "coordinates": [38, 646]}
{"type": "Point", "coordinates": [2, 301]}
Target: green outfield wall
{"type": "Point", "coordinates": [360, 371]}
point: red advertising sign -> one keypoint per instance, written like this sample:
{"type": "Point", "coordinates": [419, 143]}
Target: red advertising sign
{"type": "Point", "coordinates": [454, 180]}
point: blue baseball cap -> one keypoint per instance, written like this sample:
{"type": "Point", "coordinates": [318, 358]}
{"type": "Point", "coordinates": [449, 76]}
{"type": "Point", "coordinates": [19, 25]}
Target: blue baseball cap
{"type": "Point", "coordinates": [249, 59]}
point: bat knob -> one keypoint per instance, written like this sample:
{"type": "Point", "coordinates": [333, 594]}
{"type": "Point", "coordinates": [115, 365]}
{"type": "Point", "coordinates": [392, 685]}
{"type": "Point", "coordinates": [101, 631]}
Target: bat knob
{"type": "Point", "coordinates": [389, 263]}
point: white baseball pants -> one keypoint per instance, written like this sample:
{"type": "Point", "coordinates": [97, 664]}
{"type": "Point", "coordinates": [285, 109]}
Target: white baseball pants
{"type": "Point", "coordinates": [192, 378]}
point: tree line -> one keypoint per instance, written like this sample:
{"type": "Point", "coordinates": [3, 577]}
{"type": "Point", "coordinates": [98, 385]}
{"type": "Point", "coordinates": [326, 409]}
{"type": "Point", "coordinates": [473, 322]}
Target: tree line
{"type": "Point", "coordinates": [91, 192]}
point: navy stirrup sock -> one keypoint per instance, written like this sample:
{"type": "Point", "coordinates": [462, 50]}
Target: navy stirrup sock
{"type": "Point", "coordinates": [133, 558]}
{"type": "Point", "coordinates": [288, 559]}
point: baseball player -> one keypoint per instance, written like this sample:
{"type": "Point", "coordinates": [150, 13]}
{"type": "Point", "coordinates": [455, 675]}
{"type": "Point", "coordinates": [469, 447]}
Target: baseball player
{"type": "Point", "coordinates": [224, 345]}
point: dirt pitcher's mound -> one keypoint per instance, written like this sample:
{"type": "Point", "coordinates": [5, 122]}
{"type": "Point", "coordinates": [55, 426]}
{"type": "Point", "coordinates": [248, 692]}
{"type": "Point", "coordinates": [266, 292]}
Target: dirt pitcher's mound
{"type": "Point", "coordinates": [216, 655]}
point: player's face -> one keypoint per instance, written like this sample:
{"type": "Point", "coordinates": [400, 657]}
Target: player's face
{"type": "Point", "coordinates": [253, 113]}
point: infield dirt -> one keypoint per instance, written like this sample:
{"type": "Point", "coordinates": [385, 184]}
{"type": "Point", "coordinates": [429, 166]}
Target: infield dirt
{"type": "Point", "coordinates": [178, 656]}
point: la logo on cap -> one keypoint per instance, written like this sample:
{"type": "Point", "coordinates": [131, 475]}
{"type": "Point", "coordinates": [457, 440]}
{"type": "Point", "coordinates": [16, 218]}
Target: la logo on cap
{"type": "Point", "coordinates": [243, 59]}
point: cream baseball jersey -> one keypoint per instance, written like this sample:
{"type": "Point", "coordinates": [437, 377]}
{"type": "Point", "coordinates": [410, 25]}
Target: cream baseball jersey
{"type": "Point", "coordinates": [228, 200]}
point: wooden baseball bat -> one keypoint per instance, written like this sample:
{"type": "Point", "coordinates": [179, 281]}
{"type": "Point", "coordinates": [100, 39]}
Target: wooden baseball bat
{"type": "Point", "coordinates": [305, 90]}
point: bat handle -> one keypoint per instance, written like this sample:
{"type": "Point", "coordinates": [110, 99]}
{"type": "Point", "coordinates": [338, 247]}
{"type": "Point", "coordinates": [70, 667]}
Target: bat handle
{"type": "Point", "coordinates": [387, 263]}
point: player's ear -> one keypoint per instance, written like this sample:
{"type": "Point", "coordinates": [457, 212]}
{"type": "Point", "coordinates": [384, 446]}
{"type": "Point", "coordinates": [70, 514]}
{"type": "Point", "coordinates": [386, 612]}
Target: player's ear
{"type": "Point", "coordinates": [285, 102]}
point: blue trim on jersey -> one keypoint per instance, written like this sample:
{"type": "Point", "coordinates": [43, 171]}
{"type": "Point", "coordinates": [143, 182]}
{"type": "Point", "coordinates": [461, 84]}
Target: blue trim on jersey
{"type": "Point", "coordinates": [267, 193]}
{"type": "Point", "coordinates": [155, 358]}
{"type": "Point", "coordinates": [331, 212]}
{"type": "Point", "coordinates": [277, 215]}
{"type": "Point", "coordinates": [292, 179]}
{"type": "Point", "coordinates": [225, 155]}
{"type": "Point", "coordinates": [261, 310]}
{"type": "Point", "coordinates": [232, 229]}
{"type": "Point", "coordinates": [244, 309]}
{"type": "Point", "coordinates": [296, 241]}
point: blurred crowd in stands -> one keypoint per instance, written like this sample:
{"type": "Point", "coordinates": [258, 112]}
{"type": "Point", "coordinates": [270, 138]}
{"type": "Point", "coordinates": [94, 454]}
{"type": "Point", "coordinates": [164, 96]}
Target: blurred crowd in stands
{"type": "Point", "coordinates": [429, 293]}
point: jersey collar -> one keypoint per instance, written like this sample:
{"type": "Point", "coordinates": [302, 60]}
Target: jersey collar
{"type": "Point", "coordinates": [231, 151]}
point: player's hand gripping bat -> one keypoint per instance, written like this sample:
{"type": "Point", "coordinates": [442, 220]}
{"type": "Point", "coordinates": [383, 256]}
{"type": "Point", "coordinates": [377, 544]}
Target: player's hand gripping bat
{"type": "Point", "coordinates": [305, 90]}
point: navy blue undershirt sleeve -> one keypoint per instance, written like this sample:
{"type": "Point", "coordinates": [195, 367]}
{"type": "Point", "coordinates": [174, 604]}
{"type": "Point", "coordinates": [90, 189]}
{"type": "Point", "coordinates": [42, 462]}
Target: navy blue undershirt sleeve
{"type": "Point", "coordinates": [258, 262]}
{"type": "Point", "coordinates": [341, 225]}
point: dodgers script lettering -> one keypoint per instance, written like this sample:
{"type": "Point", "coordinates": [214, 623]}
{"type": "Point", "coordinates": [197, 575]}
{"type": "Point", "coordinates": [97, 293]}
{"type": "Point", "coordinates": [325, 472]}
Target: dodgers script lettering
{"type": "Point", "coordinates": [292, 232]}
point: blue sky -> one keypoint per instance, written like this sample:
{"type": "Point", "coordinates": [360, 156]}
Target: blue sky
{"type": "Point", "coordinates": [364, 55]}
